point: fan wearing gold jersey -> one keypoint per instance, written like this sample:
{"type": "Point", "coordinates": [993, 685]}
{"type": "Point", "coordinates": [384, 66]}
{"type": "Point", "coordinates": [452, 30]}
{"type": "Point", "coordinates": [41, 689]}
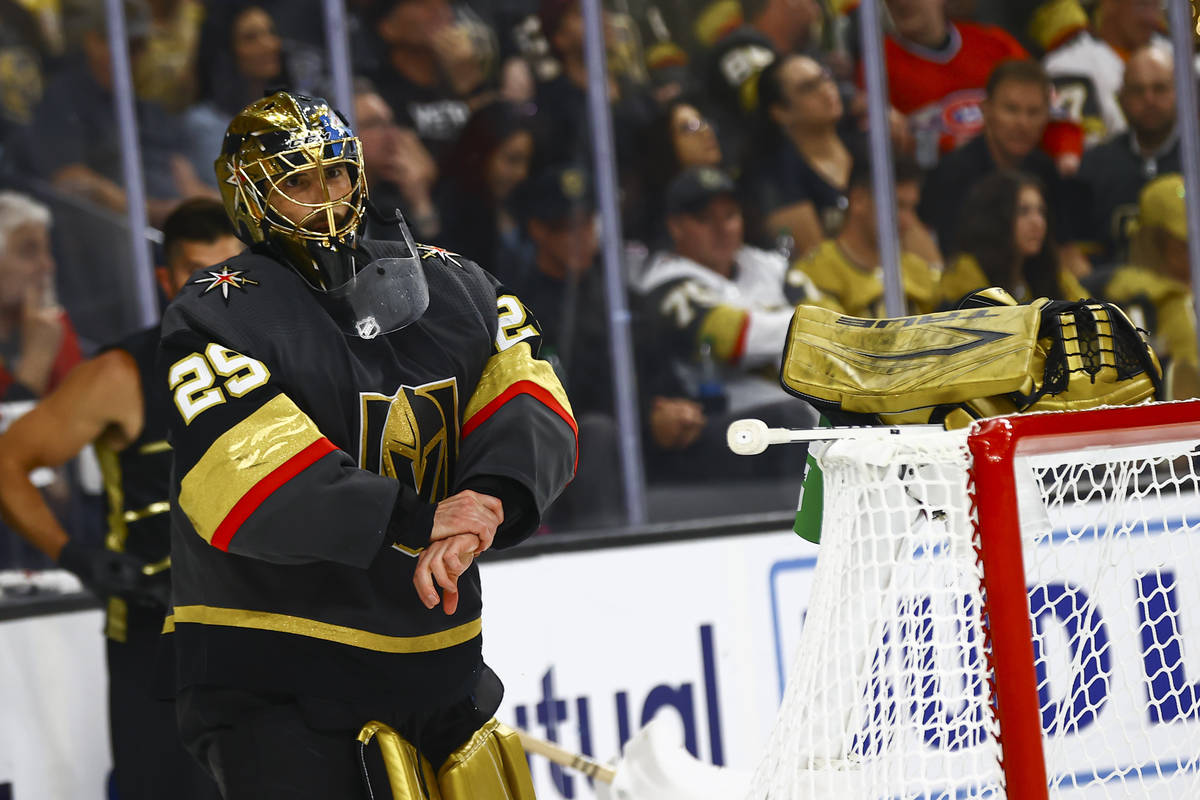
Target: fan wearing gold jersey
{"type": "Point", "coordinates": [1005, 240]}
{"type": "Point", "coordinates": [1155, 287]}
{"type": "Point", "coordinates": [846, 268]}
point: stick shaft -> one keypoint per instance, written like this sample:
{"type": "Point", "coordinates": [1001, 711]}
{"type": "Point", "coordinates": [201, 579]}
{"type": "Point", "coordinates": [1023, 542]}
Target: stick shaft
{"type": "Point", "coordinates": [786, 435]}
{"type": "Point", "coordinates": [575, 761]}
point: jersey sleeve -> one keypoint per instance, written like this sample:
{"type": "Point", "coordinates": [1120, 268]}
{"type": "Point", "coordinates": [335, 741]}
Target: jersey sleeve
{"type": "Point", "coordinates": [689, 314]}
{"type": "Point", "coordinates": [253, 474]}
{"type": "Point", "coordinates": [518, 423]}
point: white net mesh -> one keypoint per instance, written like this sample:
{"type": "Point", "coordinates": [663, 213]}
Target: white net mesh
{"type": "Point", "coordinates": [1111, 544]}
{"type": "Point", "coordinates": [889, 695]}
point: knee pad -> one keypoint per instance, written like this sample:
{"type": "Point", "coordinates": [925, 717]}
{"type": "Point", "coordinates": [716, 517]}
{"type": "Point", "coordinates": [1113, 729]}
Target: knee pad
{"type": "Point", "coordinates": [408, 774]}
{"type": "Point", "coordinates": [490, 765]}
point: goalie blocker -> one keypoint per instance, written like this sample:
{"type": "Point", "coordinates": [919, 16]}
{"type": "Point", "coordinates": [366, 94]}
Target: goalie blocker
{"type": "Point", "coordinates": [987, 358]}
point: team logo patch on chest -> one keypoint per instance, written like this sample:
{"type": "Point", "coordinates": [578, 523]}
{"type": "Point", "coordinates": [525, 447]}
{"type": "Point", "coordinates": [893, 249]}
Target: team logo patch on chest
{"type": "Point", "coordinates": [412, 436]}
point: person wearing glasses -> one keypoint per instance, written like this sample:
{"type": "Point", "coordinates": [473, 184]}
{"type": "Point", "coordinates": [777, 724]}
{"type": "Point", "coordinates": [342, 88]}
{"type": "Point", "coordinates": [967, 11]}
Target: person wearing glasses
{"type": "Point", "coordinates": [679, 137]}
{"type": "Point", "coordinates": [797, 173]}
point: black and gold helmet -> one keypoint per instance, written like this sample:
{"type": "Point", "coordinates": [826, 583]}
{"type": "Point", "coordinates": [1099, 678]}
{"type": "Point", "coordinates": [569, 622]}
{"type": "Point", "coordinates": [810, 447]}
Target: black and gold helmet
{"type": "Point", "coordinates": [280, 157]}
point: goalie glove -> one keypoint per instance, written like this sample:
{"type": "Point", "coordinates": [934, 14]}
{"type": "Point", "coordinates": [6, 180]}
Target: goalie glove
{"type": "Point", "coordinates": [106, 572]}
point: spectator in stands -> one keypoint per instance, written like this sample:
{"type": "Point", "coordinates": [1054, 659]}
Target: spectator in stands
{"type": "Point", "coordinates": [400, 171]}
{"type": "Point", "coordinates": [796, 178]}
{"type": "Point", "coordinates": [1088, 69]}
{"type": "Point", "coordinates": [1155, 286]}
{"type": "Point", "coordinates": [847, 268]}
{"type": "Point", "coordinates": [480, 175]}
{"type": "Point", "coordinates": [1015, 114]}
{"type": "Point", "coordinates": [434, 66]}
{"type": "Point", "coordinates": [732, 53]}
{"type": "Point", "coordinates": [73, 140]}
{"type": "Point", "coordinates": [1114, 173]}
{"type": "Point", "coordinates": [564, 288]}
{"type": "Point", "coordinates": [166, 71]}
{"type": "Point", "coordinates": [716, 316]}
{"type": "Point", "coordinates": [114, 401]}
{"type": "Point", "coordinates": [24, 52]}
{"type": "Point", "coordinates": [937, 70]}
{"type": "Point", "coordinates": [679, 136]}
{"type": "Point", "coordinates": [1006, 241]}
{"type": "Point", "coordinates": [564, 129]}
{"type": "Point", "coordinates": [244, 57]}
{"type": "Point", "coordinates": [38, 345]}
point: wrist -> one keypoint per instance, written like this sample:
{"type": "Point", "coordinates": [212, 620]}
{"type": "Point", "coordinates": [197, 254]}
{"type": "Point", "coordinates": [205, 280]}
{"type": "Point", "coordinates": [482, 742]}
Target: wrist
{"type": "Point", "coordinates": [411, 522]}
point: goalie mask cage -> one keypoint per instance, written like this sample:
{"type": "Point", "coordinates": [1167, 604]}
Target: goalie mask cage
{"type": "Point", "coordinates": [1010, 611]}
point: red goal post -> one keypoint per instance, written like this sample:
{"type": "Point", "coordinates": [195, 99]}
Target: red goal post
{"type": "Point", "coordinates": [994, 444]}
{"type": "Point", "coordinates": [996, 613]}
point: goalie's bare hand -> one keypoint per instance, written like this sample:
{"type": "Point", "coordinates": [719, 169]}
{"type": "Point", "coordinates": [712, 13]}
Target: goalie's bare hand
{"type": "Point", "coordinates": [443, 562]}
{"type": "Point", "coordinates": [468, 512]}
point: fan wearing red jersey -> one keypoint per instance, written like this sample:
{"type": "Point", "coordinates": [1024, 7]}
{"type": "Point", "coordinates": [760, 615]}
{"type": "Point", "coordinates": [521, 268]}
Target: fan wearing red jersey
{"type": "Point", "coordinates": [937, 71]}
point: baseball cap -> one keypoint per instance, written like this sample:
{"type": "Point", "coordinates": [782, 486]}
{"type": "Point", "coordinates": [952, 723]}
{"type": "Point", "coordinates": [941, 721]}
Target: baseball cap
{"type": "Point", "coordinates": [1161, 205]}
{"type": "Point", "coordinates": [691, 190]}
{"type": "Point", "coordinates": [557, 193]}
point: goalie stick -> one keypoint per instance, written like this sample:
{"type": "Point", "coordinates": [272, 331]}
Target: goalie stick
{"type": "Point", "coordinates": [749, 437]}
{"type": "Point", "coordinates": [576, 761]}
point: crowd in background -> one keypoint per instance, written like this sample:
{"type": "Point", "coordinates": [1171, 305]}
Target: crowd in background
{"type": "Point", "coordinates": [1036, 148]}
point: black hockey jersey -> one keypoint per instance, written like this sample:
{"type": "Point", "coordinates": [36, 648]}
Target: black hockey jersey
{"type": "Point", "coordinates": [292, 444]}
{"type": "Point", "coordinates": [137, 484]}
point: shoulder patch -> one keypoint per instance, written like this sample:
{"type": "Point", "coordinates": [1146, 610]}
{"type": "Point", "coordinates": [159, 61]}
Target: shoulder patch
{"type": "Point", "coordinates": [430, 251]}
{"type": "Point", "coordinates": [223, 279]}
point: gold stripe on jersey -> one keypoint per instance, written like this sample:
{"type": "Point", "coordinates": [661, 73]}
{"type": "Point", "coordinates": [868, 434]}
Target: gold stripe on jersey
{"type": "Point", "coordinates": [240, 458]}
{"type": "Point", "coordinates": [154, 509]}
{"type": "Point", "coordinates": [341, 634]}
{"type": "Point", "coordinates": [117, 612]}
{"type": "Point", "coordinates": [716, 19]}
{"type": "Point", "coordinates": [116, 619]}
{"type": "Point", "coordinates": [509, 367]}
{"type": "Point", "coordinates": [723, 328]}
{"type": "Point", "coordinates": [110, 471]}
{"type": "Point", "coordinates": [150, 448]}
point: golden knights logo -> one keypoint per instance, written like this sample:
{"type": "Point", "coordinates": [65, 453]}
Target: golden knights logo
{"type": "Point", "coordinates": [412, 436]}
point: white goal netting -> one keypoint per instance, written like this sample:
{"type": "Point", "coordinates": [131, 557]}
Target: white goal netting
{"type": "Point", "coordinates": [891, 694]}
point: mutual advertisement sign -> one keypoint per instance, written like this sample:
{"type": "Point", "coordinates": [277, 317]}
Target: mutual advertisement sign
{"type": "Point", "coordinates": [592, 645]}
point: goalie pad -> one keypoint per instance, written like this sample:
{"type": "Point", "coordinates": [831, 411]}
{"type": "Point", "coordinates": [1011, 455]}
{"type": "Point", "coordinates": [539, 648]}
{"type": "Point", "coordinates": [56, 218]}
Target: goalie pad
{"type": "Point", "coordinates": [949, 368]}
{"type": "Point", "coordinates": [491, 765]}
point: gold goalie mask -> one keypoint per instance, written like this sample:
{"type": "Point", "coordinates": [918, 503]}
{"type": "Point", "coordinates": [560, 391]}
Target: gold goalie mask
{"type": "Point", "coordinates": [292, 180]}
{"type": "Point", "coordinates": [989, 357]}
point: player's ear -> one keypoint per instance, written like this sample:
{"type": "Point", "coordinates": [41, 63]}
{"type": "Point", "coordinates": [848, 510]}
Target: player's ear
{"type": "Point", "coordinates": [675, 227]}
{"type": "Point", "coordinates": [163, 275]}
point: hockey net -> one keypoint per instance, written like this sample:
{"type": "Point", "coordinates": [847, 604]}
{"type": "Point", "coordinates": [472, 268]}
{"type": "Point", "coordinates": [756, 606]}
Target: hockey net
{"type": "Point", "coordinates": [1011, 611]}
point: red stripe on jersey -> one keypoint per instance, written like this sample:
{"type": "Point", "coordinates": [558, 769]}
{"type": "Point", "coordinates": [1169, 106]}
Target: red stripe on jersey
{"type": "Point", "coordinates": [252, 499]}
{"type": "Point", "coordinates": [740, 347]}
{"type": "Point", "coordinates": [523, 387]}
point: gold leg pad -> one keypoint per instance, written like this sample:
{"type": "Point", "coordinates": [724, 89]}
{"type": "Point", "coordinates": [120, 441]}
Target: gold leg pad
{"type": "Point", "coordinates": [402, 763]}
{"type": "Point", "coordinates": [490, 766]}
